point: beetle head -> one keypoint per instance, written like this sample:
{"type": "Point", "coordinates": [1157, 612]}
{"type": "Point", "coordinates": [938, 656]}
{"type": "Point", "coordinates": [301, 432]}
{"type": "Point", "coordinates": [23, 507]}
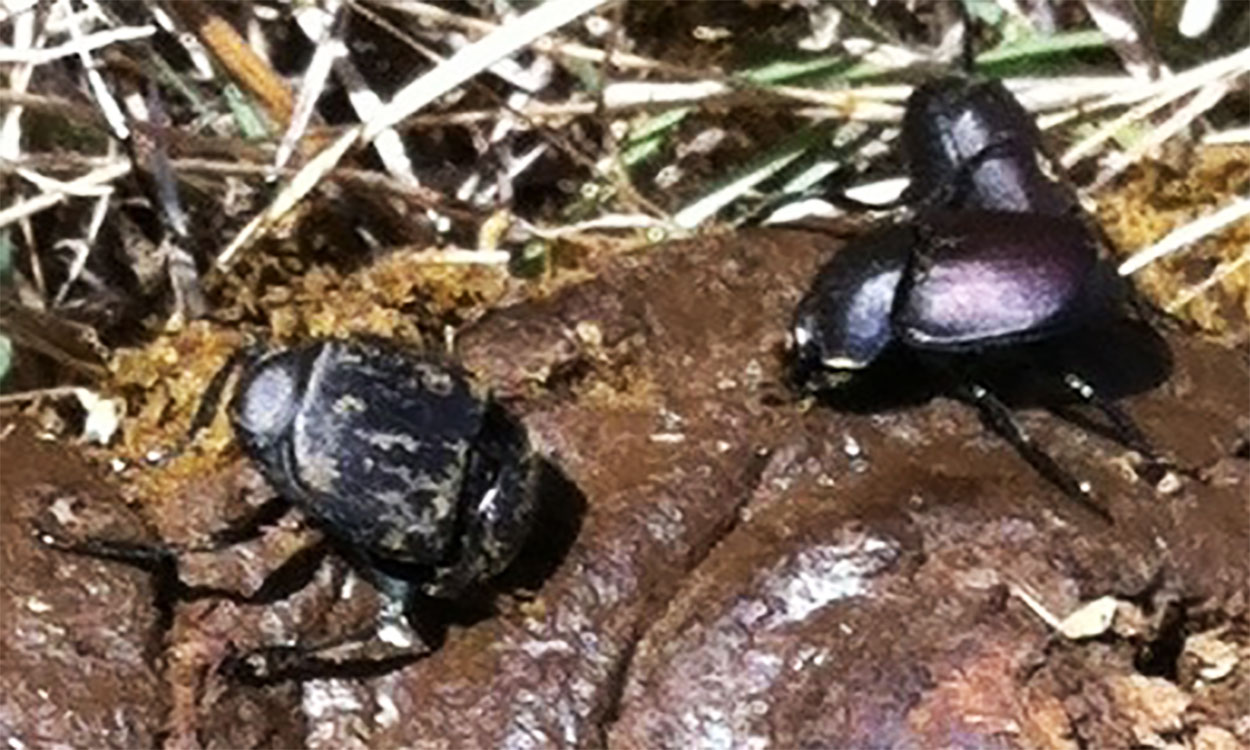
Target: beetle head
{"type": "Point", "coordinates": [820, 356]}
{"type": "Point", "coordinates": [844, 323]}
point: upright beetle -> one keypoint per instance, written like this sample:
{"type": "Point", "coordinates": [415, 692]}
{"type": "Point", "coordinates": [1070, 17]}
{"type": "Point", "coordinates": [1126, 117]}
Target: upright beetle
{"type": "Point", "coordinates": [426, 483]}
{"type": "Point", "coordinates": [997, 255]}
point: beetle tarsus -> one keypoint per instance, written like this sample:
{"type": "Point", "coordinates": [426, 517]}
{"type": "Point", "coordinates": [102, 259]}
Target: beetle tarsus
{"type": "Point", "coordinates": [359, 655]}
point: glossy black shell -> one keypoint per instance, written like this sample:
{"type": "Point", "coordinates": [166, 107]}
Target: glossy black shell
{"type": "Point", "coordinates": [949, 282]}
{"type": "Point", "coordinates": [844, 320]}
{"type": "Point", "coordinates": [975, 136]}
{"type": "Point", "coordinates": [978, 278]}
{"type": "Point", "coordinates": [398, 455]}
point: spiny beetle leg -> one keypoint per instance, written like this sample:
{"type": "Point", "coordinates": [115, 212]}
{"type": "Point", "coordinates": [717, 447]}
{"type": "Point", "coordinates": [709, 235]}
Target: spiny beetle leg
{"type": "Point", "coordinates": [141, 554]}
{"type": "Point", "coordinates": [1126, 429]}
{"type": "Point", "coordinates": [246, 528]}
{"type": "Point", "coordinates": [211, 400]}
{"type": "Point", "coordinates": [998, 418]}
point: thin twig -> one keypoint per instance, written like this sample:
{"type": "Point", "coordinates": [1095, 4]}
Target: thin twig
{"type": "Point", "coordinates": [79, 46]}
{"type": "Point", "coordinates": [1221, 272]}
{"type": "Point", "coordinates": [1157, 96]}
{"type": "Point", "coordinates": [458, 256]}
{"type": "Point", "coordinates": [475, 58]}
{"type": "Point", "coordinates": [59, 391]}
{"type": "Point", "coordinates": [572, 50]}
{"type": "Point", "coordinates": [45, 201]}
{"type": "Point", "coordinates": [19, 80]}
{"type": "Point", "coordinates": [460, 67]}
{"type": "Point", "coordinates": [1206, 98]}
{"type": "Point", "coordinates": [111, 110]}
{"type": "Point", "coordinates": [299, 186]}
{"type": "Point", "coordinates": [328, 47]}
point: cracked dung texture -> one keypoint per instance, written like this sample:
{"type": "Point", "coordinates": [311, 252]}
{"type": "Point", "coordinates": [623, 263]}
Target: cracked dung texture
{"type": "Point", "coordinates": [79, 637]}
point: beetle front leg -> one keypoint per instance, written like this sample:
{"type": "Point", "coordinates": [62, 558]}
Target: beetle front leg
{"type": "Point", "coordinates": [56, 533]}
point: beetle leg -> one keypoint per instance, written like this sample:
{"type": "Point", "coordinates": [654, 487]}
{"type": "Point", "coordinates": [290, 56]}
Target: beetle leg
{"type": "Point", "coordinates": [142, 553]}
{"type": "Point", "coordinates": [210, 402]}
{"type": "Point", "coordinates": [389, 644]}
{"type": "Point", "coordinates": [1126, 429]}
{"type": "Point", "coordinates": [998, 417]}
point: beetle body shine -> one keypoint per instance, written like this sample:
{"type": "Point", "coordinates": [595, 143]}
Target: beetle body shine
{"type": "Point", "coordinates": [975, 137]}
{"type": "Point", "coordinates": [948, 282]}
{"type": "Point", "coordinates": [1001, 254]}
{"type": "Point", "coordinates": [978, 278]}
{"type": "Point", "coordinates": [844, 321]}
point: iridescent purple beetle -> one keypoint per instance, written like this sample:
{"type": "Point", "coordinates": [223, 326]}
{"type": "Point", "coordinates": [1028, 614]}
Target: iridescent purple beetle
{"type": "Point", "coordinates": [998, 254]}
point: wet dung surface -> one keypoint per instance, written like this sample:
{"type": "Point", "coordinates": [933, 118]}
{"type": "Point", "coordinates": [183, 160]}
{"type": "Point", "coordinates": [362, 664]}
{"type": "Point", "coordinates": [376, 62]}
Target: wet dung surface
{"type": "Point", "coordinates": [724, 564]}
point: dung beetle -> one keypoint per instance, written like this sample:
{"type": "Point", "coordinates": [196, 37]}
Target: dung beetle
{"type": "Point", "coordinates": [997, 256]}
{"type": "Point", "coordinates": [399, 456]}
{"type": "Point", "coordinates": [421, 479]}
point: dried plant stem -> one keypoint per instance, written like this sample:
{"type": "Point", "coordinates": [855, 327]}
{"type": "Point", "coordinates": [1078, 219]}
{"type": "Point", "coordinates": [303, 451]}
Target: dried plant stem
{"type": "Point", "coordinates": [238, 57]}
{"type": "Point", "coordinates": [1187, 235]}
{"type": "Point", "coordinates": [47, 200]}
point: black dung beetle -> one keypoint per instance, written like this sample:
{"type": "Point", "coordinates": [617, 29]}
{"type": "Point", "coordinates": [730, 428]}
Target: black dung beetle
{"type": "Point", "coordinates": [423, 481]}
{"type": "Point", "coordinates": [998, 255]}
{"type": "Point", "coordinates": [399, 456]}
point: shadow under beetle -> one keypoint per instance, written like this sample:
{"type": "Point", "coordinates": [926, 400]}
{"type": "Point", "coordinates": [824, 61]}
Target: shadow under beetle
{"type": "Point", "coordinates": [997, 256]}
